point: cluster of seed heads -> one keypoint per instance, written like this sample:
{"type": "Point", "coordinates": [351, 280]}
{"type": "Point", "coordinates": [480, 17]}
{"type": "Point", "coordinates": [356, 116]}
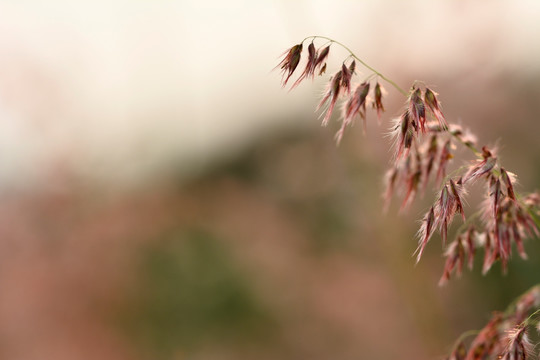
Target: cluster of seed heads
{"type": "Point", "coordinates": [423, 145]}
{"type": "Point", "coordinates": [506, 335]}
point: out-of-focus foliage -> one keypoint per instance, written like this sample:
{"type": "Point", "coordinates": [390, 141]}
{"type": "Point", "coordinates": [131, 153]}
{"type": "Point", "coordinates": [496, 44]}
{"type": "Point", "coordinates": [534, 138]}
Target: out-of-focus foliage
{"type": "Point", "coordinates": [188, 292]}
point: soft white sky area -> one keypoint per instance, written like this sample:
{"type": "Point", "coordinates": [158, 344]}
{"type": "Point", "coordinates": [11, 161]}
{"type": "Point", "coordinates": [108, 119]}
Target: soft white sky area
{"type": "Point", "coordinates": [118, 90]}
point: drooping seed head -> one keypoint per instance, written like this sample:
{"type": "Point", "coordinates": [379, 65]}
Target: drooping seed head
{"type": "Point", "coordinates": [403, 134]}
{"type": "Point", "coordinates": [430, 158]}
{"type": "Point", "coordinates": [430, 99]}
{"type": "Point", "coordinates": [290, 62]}
{"type": "Point", "coordinates": [356, 105]}
{"type": "Point", "coordinates": [485, 343]}
{"type": "Point", "coordinates": [506, 178]}
{"type": "Point", "coordinates": [425, 232]}
{"type": "Point", "coordinates": [346, 79]}
{"type": "Point", "coordinates": [519, 346]}
{"type": "Point", "coordinates": [309, 70]}
{"type": "Point", "coordinates": [377, 102]}
{"type": "Point", "coordinates": [321, 57]}
{"type": "Point", "coordinates": [455, 258]}
{"type": "Point", "coordinates": [412, 183]}
{"type": "Point", "coordinates": [352, 67]}
{"type": "Point", "coordinates": [331, 96]}
{"type": "Point", "coordinates": [481, 167]}
{"type": "Point", "coordinates": [417, 109]}
{"type": "Point", "coordinates": [495, 195]}
{"type": "Point", "coordinates": [444, 158]}
{"type": "Point", "coordinates": [456, 190]}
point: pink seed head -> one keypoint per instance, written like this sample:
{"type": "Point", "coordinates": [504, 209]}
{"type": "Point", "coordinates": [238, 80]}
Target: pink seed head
{"type": "Point", "coordinates": [323, 54]}
{"type": "Point", "coordinates": [309, 70]}
{"type": "Point", "coordinates": [417, 109]}
{"type": "Point", "coordinates": [430, 99]}
{"type": "Point", "coordinates": [425, 232]}
{"type": "Point", "coordinates": [346, 78]}
{"type": "Point", "coordinates": [508, 183]}
{"type": "Point", "coordinates": [377, 102]}
{"type": "Point", "coordinates": [290, 62]}
{"type": "Point", "coordinates": [331, 96]}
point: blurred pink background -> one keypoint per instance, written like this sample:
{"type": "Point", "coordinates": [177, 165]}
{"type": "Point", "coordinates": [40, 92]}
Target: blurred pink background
{"type": "Point", "coordinates": [161, 197]}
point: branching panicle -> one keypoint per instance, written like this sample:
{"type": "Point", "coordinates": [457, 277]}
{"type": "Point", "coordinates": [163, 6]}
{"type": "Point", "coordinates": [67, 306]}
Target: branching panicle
{"type": "Point", "coordinates": [423, 144]}
{"type": "Point", "coordinates": [505, 336]}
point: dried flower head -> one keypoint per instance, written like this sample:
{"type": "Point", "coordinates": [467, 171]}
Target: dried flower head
{"type": "Point", "coordinates": [309, 70]}
{"type": "Point", "coordinates": [425, 232]}
{"type": "Point", "coordinates": [403, 133]}
{"type": "Point", "coordinates": [527, 302]}
{"type": "Point", "coordinates": [518, 347]}
{"type": "Point", "coordinates": [346, 78]}
{"type": "Point", "coordinates": [377, 100]}
{"type": "Point", "coordinates": [508, 179]}
{"type": "Point", "coordinates": [290, 62]}
{"type": "Point", "coordinates": [505, 335]}
{"type": "Point", "coordinates": [486, 342]}
{"type": "Point", "coordinates": [433, 104]}
{"type": "Point", "coordinates": [481, 167]}
{"type": "Point", "coordinates": [423, 143]}
{"type": "Point", "coordinates": [455, 258]}
{"type": "Point", "coordinates": [440, 215]}
{"type": "Point", "coordinates": [417, 109]}
{"type": "Point", "coordinates": [331, 96]}
{"type": "Point", "coordinates": [412, 183]}
{"type": "Point", "coordinates": [444, 158]}
{"type": "Point", "coordinates": [355, 105]}
{"type": "Point", "coordinates": [321, 57]}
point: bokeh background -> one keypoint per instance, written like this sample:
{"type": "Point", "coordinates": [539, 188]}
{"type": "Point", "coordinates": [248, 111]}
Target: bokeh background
{"type": "Point", "coordinates": [161, 197]}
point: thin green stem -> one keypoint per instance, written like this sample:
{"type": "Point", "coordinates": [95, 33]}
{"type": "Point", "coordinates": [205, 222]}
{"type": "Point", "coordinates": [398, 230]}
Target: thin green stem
{"type": "Point", "coordinates": [467, 144]}
{"type": "Point", "coordinates": [396, 86]}
{"type": "Point", "coordinates": [469, 220]}
{"type": "Point", "coordinates": [528, 320]}
{"type": "Point", "coordinates": [466, 334]}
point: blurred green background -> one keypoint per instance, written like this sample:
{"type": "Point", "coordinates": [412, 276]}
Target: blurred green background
{"type": "Point", "coordinates": [163, 198]}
